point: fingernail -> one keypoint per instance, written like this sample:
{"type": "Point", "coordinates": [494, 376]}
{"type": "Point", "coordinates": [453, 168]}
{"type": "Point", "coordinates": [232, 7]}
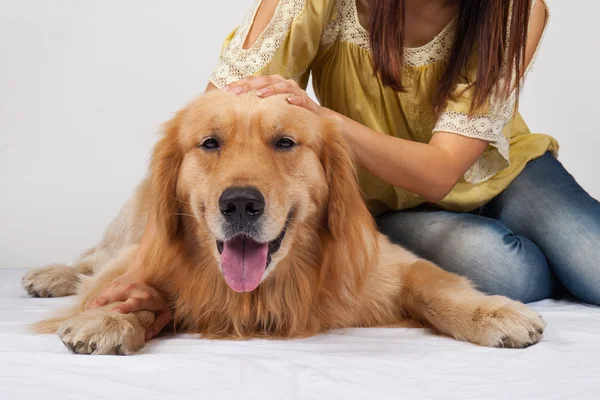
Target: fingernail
{"type": "Point", "coordinates": [225, 88]}
{"type": "Point", "coordinates": [237, 90]}
{"type": "Point", "coordinates": [262, 92]}
{"type": "Point", "coordinates": [290, 99]}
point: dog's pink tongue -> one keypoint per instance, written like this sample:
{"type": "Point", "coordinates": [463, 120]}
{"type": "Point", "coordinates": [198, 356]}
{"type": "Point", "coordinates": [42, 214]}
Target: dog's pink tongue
{"type": "Point", "coordinates": [244, 262]}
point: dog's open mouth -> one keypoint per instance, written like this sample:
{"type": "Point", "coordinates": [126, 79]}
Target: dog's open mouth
{"type": "Point", "coordinates": [244, 260]}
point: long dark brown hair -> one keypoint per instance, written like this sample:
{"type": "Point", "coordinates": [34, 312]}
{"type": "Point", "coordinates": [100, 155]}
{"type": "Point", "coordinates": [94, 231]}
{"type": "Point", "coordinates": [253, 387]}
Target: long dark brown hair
{"type": "Point", "coordinates": [500, 55]}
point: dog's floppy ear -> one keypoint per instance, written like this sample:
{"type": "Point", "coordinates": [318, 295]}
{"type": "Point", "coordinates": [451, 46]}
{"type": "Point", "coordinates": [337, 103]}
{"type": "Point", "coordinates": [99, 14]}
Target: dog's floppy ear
{"type": "Point", "coordinates": [166, 162]}
{"type": "Point", "coordinates": [352, 246]}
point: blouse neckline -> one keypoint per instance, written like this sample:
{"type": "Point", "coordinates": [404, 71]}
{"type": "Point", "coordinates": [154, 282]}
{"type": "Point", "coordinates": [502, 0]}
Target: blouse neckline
{"type": "Point", "coordinates": [432, 43]}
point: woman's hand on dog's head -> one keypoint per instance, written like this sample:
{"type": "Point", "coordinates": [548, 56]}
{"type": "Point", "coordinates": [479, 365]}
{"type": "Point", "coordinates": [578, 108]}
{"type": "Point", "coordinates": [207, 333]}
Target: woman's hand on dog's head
{"type": "Point", "coordinates": [266, 86]}
{"type": "Point", "coordinates": [136, 295]}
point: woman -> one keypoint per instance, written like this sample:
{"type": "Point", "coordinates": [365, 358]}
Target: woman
{"type": "Point", "coordinates": [425, 92]}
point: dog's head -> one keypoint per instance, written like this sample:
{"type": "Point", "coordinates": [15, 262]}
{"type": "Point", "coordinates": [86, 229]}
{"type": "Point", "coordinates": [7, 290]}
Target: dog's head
{"type": "Point", "coordinates": [251, 173]}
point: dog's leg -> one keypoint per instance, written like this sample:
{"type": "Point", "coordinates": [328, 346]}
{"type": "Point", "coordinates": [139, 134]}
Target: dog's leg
{"type": "Point", "coordinates": [102, 331]}
{"type": "Point", "coordinates": [58, 280]}
{"type": "Point", "coordinates": [451, 305]}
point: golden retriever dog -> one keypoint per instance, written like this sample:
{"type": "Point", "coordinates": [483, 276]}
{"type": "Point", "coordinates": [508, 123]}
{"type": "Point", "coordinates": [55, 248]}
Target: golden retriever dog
{"type": "Point", "coordinates": [262, 232]}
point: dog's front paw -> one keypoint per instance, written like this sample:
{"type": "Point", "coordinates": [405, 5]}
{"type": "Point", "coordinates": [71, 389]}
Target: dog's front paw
{"type": "Point", "coordinates": [56, 280]}
{"type": "Point", "coordinates": [103, 332]}
{"type": "Point", "coordinates": [501, 322]}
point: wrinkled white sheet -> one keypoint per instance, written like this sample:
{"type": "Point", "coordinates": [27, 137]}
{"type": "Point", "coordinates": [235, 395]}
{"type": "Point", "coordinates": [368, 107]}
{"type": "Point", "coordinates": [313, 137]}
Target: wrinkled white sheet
{"type": "Point", "coordinates": [355, 364]}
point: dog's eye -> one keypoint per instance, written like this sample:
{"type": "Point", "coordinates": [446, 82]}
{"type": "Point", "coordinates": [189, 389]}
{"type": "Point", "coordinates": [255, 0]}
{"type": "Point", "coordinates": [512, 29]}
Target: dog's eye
{"type": "Point", "coordinates": [210, 144]}
{"type": "Point", "coordinates": [285, 143]}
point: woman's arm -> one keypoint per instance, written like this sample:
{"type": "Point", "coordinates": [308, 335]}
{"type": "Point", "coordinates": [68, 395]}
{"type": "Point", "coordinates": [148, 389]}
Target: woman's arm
{"type": "Point", "coordinates": [428, 169]}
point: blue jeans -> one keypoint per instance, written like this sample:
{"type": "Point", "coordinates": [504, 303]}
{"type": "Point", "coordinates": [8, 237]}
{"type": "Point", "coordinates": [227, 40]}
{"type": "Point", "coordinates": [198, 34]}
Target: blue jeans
{"type": "Point", "coordinates": [537, 238]}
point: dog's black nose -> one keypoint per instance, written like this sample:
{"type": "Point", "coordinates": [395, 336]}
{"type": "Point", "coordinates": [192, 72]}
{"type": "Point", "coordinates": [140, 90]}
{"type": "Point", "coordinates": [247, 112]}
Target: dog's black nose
{"type": "Point", "coordinates": [241, 204]}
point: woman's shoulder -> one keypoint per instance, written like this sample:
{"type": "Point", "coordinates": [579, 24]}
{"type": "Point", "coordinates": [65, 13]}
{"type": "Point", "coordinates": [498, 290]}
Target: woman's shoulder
{"type": "Point", "coordinates": [261, 43]}
{"type": "Point", "coordinates": [278, 16]}
{"type": "Point", "coordinates": [295, 7]}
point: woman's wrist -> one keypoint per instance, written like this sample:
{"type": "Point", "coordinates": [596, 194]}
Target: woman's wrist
{"type": "Point", "coordinates": [336, 117]}
{"type": "Point", "coordinates": [341, 121]}
{"type": "Point", "coordinates": [329, 114]}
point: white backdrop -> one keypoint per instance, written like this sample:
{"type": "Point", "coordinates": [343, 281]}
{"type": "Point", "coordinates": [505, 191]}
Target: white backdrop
{"type": "Point", "coordinates": [85, 85]}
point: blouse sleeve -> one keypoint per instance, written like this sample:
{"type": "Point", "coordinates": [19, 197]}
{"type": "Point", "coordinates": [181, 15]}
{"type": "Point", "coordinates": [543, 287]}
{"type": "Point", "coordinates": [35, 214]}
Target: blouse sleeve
{"type": "Point", "coordinates": [286, 47]}
{"type": "Point", "coordinates": [491, 123]}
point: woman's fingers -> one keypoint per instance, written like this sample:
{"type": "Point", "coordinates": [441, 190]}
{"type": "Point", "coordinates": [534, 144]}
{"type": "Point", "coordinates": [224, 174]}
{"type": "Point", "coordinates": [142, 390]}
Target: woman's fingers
{"type": "Point", "coordinates": [141, 300]}
{"type": "Point", "coordinates": [266, 86]}
{"type": "Point", "coordinates": [135, 295]}
{"type": "Point", "coordinates": [252, 83]}
{"type": "Point", "coordinates": [110, 294]}
{"type": "Point", "coordinates": [281, 87]}
{"type": "Point", "coordinates": [297, 101]}
{"type": "Point", "coordinates": [99, 302]}
{"type": "Point", "coordinates": [248, 84]}
{"type": "Point", "coordinates": [161, 319]}
{"type": "Point", "coordinates": [305, 102]}
{"type": "Point", "coordinates": [132, 304]}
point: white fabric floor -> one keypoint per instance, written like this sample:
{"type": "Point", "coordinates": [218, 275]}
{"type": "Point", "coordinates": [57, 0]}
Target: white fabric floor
{"type": "Point", "coordinates": [355, 364]}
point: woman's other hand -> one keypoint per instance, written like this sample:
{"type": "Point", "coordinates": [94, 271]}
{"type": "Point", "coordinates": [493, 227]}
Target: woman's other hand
{"type": "Point", "coordinates": [136, 295]}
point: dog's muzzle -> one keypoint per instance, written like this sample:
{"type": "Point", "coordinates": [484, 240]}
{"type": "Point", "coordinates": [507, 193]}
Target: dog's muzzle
{"type": "Point", "coordinates": [244, 259]}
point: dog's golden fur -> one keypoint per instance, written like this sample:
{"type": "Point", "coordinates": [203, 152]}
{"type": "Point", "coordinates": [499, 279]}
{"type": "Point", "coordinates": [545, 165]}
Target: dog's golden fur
{"type": "Point", "coordinates": [333, 270]}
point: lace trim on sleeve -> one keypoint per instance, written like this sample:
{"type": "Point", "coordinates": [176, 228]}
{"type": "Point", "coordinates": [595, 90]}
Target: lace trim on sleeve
{"type": "Point", "coordinates": [236, 62]}
{"type": "Point", "coordinates": [488, 127]}
{"type": "Point", "coordinates": [485, 127]}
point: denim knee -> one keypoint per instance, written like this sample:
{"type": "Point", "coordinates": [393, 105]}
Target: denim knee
{"type": "Point", "coordinates": [497, 262]}
{"type": "Point", "coordinates": [578, 269]}
{"type": "Point", "coordinates": [546, 204]}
